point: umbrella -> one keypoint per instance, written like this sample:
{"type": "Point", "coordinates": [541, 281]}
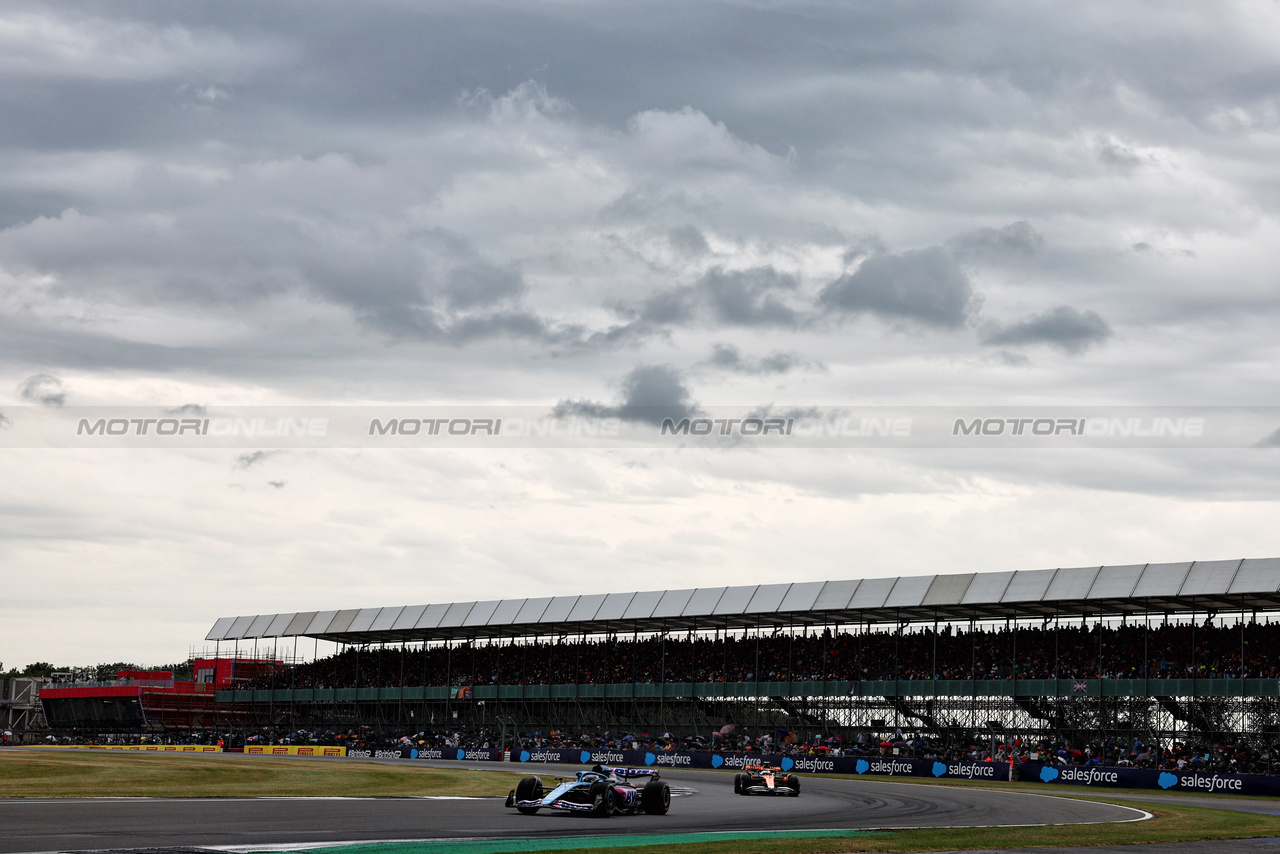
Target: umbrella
{"type": "Point", "coordinates": [727, 728]}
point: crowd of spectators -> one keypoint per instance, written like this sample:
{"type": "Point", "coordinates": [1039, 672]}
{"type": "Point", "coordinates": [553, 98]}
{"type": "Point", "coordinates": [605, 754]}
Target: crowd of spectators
{"type": "Point", "coordinates": [1159, 651]}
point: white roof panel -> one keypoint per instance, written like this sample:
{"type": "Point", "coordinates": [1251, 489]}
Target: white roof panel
{"type": "Point", "coordinates": [432, 615]}
{"type": "Point", "coordinates": [947, 589]}
{"type": "Point", "coordinates": [1210, 577]}
{"type": "Point", "coordinates": [532, 610]}
{"type": "Point", "coordinates": [506, 612]}
{"type": "Point", "coordinates": [364, 620]}
{"type": "Point", "coordinates": [239, 627]}
{"type": "Point", "coordinates": [298, 625]}
{"type": "Point", "coordinates": [558, 610]}
{"type": "Point", "coordinates": [673, 602]}
{"type": "Point", "coordinates": [1028, 585]}
{"type": "Point", "coordinates": [386, 619]}
{"type": "Point", "coordinates": [1258, 575]}
{"type": "Point", "coordinates": [801, 596]}
{"type": "Point", "coordinates": [279, 625]}
{"type": "Point", "coordinates": [481, 612]}
{"type": "Point", "coordinates": [908, 591]}
{"type": "Point", "coordinates": [1161, 579]}
{"type": "Point", "coordinates": [642, 605]}
{"type": "Point", "coordinates": [587, 607]}
{"type": "Point", "coordinates": [320, 622]}
{"type": "Point", "coordinates": [456, 615]}
{"type": "Point", "coordinates": [703, 602]}
{"type": "Point", "coordinates": [767, 598]}
{"type": "Point", "coordinates": [1116, 582]}
{"type": "Point", "coordinates": [872, 592]}
{"type": "Point", "coordinates": [220, 628]}
{"type": "Point", "coordinates": [614, 606]}
{"type": "Point", "coordinates": [1071, 583]}
{"type": "Point", "coordinates": [987, 588]}
{"type": "Point", "coordinates": [735, 599]}
{"type": "Point", "coordinates": [259, 625]}
{"type": "Point", "coordinates": [342, 620]}
{"type": "Point", "coordinates": [835, 595]}
{"type": "Point", "coordinates": [408, 617]}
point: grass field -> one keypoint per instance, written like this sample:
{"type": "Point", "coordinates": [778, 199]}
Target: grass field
{"type": "Point", "coordinates": [26, 773]}
{"type": "Point", "coordinates": [78, 774]}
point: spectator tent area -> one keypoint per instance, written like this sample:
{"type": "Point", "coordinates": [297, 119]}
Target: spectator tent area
{"type": "Point", "coordinates": [1173, 651]}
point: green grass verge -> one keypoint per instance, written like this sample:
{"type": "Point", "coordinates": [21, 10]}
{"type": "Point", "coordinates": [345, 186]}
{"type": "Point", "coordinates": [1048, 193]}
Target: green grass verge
{"type": "Point", "coordinates": [78, 774]}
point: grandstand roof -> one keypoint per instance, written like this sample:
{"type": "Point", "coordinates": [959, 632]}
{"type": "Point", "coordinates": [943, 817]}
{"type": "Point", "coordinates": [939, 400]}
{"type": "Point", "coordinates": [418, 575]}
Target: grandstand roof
{"type": "Point", "coordinates": [1221, 585]}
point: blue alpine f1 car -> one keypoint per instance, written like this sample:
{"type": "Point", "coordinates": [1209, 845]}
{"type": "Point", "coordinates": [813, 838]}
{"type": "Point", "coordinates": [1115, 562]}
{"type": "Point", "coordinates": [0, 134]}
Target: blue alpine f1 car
{"type": "Point", "coordinates": [600, 792]}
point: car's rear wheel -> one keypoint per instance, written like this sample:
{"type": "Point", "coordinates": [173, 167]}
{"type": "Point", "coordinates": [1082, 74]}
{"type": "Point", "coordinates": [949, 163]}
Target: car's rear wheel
{"type": "Point", "coordinates": [601, 795]}
{"type": "Point", "coordinates": [655, 798]}
{"type": "Point", "coordinates": [529, 789]}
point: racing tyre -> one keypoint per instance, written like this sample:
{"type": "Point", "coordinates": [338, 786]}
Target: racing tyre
{"type": "Point", "coordinates": [740, 782]}
{"type": "Point", "coordinates": [793, 783]}
{"type": "Point", "coordinates": [601, 794]}
{"type": "Point", "coordinates": [529, 789]}
{"type": "Point", "coordinates": [655, 798]}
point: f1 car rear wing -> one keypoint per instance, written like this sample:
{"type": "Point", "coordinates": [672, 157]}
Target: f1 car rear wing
{"type": "Point", "coordinates": [626, 773]}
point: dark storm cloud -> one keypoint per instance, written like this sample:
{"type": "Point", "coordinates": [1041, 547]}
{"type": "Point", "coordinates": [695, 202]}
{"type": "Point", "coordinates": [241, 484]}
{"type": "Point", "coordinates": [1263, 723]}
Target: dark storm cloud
{"type": "Point", "coordinates": [1019, 239]}
{"type": "Point", "coordinates": [649, 393]}
{"type": "Point", "coordinates": [727, 357]}
{"type": "Point", "coordinates": [688, 241]}
{"type": "Point", "coordinates": [44, 389]}
{"type": "Point", "coordinates": [4, 420]}
{"type": "Point", "coordinates": [1064, 327]}
{"type": "Point", "coordinates": [924, 286]}
{"type": "Point", "coordinates": [482, 284]}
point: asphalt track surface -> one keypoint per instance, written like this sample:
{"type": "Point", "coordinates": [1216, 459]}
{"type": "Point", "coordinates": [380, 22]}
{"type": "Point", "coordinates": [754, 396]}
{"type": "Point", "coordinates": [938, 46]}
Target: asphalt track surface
{"type": "Point", "coordinates": [704, 802]}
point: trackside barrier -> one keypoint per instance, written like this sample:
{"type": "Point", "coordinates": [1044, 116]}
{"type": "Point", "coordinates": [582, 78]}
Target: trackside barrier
{"type": "Point", "coordinates": [1030, 772]}
{"type": "Point", "coordinates": [293, 750]}
{"type": "Point", "coordinates": [1146, 778]}
{"type": "Point", "coordinates": [149, 748]}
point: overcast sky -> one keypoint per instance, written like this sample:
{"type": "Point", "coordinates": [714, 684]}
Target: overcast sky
{"type": "Point", "coordinates": [599, 206]}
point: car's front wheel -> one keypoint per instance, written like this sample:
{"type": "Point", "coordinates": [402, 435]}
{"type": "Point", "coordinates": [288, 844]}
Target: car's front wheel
{"type": "Point", "coordinates": [601, 795]}
{"type": "Point", "coordinates": [528, 789]}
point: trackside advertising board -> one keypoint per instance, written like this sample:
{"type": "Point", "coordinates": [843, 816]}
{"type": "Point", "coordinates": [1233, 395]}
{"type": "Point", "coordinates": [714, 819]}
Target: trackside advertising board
{"type": "Point", "coordinates": [1146, 778]}
{"type": "Point", "coordinates": [889, 766]}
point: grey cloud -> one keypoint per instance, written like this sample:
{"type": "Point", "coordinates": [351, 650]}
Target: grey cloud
{"type": "Point", "coordinates": [727, 357]}
{"type": "Point", "coordinates": [278, 484]}
{"type": "Point", "coordinates": [482, 284]}
{"type": "Point", "coordinates": [649, 393]}
{"type": "Point", "coordinates": [688, 241]}
{"type": "Point", "coordinates": [44, 389]}
{"type": "Point", "coordinates": [252, 458]}
{"type": "Point", "coordinates": [1272, 441]}
{"type": "Point", "coordinates": [1063, 327]}
{"type": "Point", "coordinates": [4, 420]}
{"type": "Point", "coordinates": [726, 297]}
{"type": "Point", "coordinates": [1013, 240]}
{"type": "Point", "coordinates": [924, 286]}
{"type": "Point", "coordinates": [187, 409]}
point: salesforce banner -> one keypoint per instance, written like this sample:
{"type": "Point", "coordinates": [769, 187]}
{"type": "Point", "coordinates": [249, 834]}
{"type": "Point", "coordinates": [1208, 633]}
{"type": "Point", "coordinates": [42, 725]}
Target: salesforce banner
{"type": "Point", "coordinates": [1146, 778]}
{"type": "Point", "coordinates": [483, 754]}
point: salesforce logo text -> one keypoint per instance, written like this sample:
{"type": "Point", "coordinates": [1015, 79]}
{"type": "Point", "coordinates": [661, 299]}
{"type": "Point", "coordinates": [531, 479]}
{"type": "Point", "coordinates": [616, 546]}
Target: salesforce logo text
{"type": "Point", "coordinates": [815, 765]}
{"type": "Point", "coordinates": [1142, 428]}
{"type": "Point", "coordinates": [671, 759]}
{"type": "Point", "coordinates": [1088, 776]}
{"type": "Point", "coordinates": [430, 753]}
{"type": "Point", "coordinates": [262, 427]}
{"type": "Point", "coordinates": [473, 754]}
{"type": "Point", "coordinates": [1213, 784]}
{"type": "Point", "coordinates": [542, 756]}
{"type": "Point", "coordinates": [605, 756]}
{"type": "Point", "coordinates": [891, 767]}
{"type": "Point", "coordinates": [984, 769]}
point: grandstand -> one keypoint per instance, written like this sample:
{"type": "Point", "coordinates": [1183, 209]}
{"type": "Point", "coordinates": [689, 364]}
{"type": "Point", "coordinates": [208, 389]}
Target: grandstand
{"type": "Point", "coordinates": [1171, 651]}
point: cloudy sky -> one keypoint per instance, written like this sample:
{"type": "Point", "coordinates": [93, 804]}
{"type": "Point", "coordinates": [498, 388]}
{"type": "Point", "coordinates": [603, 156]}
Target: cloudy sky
{"type": "Point", "coordinates": [602, 206]}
